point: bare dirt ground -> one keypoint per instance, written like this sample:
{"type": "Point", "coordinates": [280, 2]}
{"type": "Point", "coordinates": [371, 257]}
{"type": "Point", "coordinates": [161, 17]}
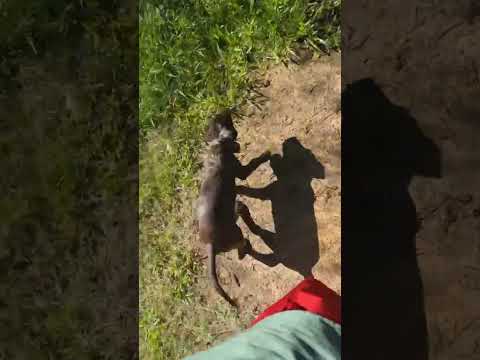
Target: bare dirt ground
{"type": "Point", "coordinates": [298, 120]}
{"type": "Point", "coordinates": [438, 50]}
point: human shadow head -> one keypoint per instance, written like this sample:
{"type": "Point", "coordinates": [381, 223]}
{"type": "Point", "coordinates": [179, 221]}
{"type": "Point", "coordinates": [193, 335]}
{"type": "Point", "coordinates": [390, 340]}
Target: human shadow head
{"type": "Point", "coordinates": [383, 137]}
{"type": "Point", "coordinates": [297, 161]}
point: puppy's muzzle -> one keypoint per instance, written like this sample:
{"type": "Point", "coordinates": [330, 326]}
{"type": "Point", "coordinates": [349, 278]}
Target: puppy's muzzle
{"type": "Point", "coordinates": [228, 134]}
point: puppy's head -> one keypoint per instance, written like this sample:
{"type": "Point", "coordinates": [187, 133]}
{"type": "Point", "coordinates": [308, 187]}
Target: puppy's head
{"type": "Point", "coordinates": [221, 128]}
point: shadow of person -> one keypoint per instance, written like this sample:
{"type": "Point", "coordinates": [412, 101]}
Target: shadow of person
{"type": "Point", "coordinates": [294, 243]}
{"type": "Point", "coordinates": [383, 314]}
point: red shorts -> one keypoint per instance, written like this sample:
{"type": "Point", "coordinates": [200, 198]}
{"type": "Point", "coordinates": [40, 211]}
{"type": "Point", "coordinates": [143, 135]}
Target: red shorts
{"type": "Point", "coordinates": [310, 295]}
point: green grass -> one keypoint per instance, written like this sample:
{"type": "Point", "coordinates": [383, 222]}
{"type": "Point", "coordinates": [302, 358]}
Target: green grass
{"type": "Point", "coordinates": [196, 57]}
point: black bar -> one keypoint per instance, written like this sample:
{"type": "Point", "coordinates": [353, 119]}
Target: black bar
{"type": "Point", "coordinates": [69, 211]}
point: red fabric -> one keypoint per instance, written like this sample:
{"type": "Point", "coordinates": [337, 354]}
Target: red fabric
{"type": "Point", "coordinates": [310, 295]}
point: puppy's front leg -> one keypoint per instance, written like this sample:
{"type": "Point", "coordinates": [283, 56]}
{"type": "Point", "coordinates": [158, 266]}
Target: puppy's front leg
{"type": "Point", "coordinates": [244, 171]}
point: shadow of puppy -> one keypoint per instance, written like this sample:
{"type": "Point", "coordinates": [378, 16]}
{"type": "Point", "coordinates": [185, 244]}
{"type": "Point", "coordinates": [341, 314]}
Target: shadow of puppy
{"type": "Point", "coordinates": [294, 243]}
{"type": "Point", "coordinates": [383, 314]}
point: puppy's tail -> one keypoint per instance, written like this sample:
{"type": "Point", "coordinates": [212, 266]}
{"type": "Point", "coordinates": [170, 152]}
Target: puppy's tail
{"type": "Point", "coordinates": [212, 273]}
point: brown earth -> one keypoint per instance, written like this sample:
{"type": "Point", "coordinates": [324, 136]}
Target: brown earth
{"type": "Point", "coordinates": [302, 213]}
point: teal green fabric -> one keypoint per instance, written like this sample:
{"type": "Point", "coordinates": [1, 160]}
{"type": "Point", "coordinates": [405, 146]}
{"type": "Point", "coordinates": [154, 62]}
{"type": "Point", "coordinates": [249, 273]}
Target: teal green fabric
{"type": "Point", "coordinates": [289, 335]}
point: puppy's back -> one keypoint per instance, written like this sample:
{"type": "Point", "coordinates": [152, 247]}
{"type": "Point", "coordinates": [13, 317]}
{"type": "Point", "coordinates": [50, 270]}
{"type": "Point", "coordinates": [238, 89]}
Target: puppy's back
{"type": "Point", "coordinates": [210, 192]}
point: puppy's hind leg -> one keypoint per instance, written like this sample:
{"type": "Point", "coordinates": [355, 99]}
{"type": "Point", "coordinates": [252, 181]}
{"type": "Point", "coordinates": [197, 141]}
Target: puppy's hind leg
{"type": "Point", "coordinates": [242, 210]}
{"type": "Point", "coordinates": [268, 237]}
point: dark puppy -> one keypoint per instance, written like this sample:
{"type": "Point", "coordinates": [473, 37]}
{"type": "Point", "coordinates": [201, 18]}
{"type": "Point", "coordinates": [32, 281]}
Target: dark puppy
{"type": "Point", "coordinates": [217, 208]}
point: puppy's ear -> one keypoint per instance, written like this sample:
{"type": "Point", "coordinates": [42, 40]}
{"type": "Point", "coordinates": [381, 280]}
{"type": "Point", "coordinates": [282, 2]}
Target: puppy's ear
{"type": "Point", "coordinates": [228, 121]}
{"type": "Point", "coordinates": [232, 146]}
{"type": "Point", "coordinates": [225, 119]}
